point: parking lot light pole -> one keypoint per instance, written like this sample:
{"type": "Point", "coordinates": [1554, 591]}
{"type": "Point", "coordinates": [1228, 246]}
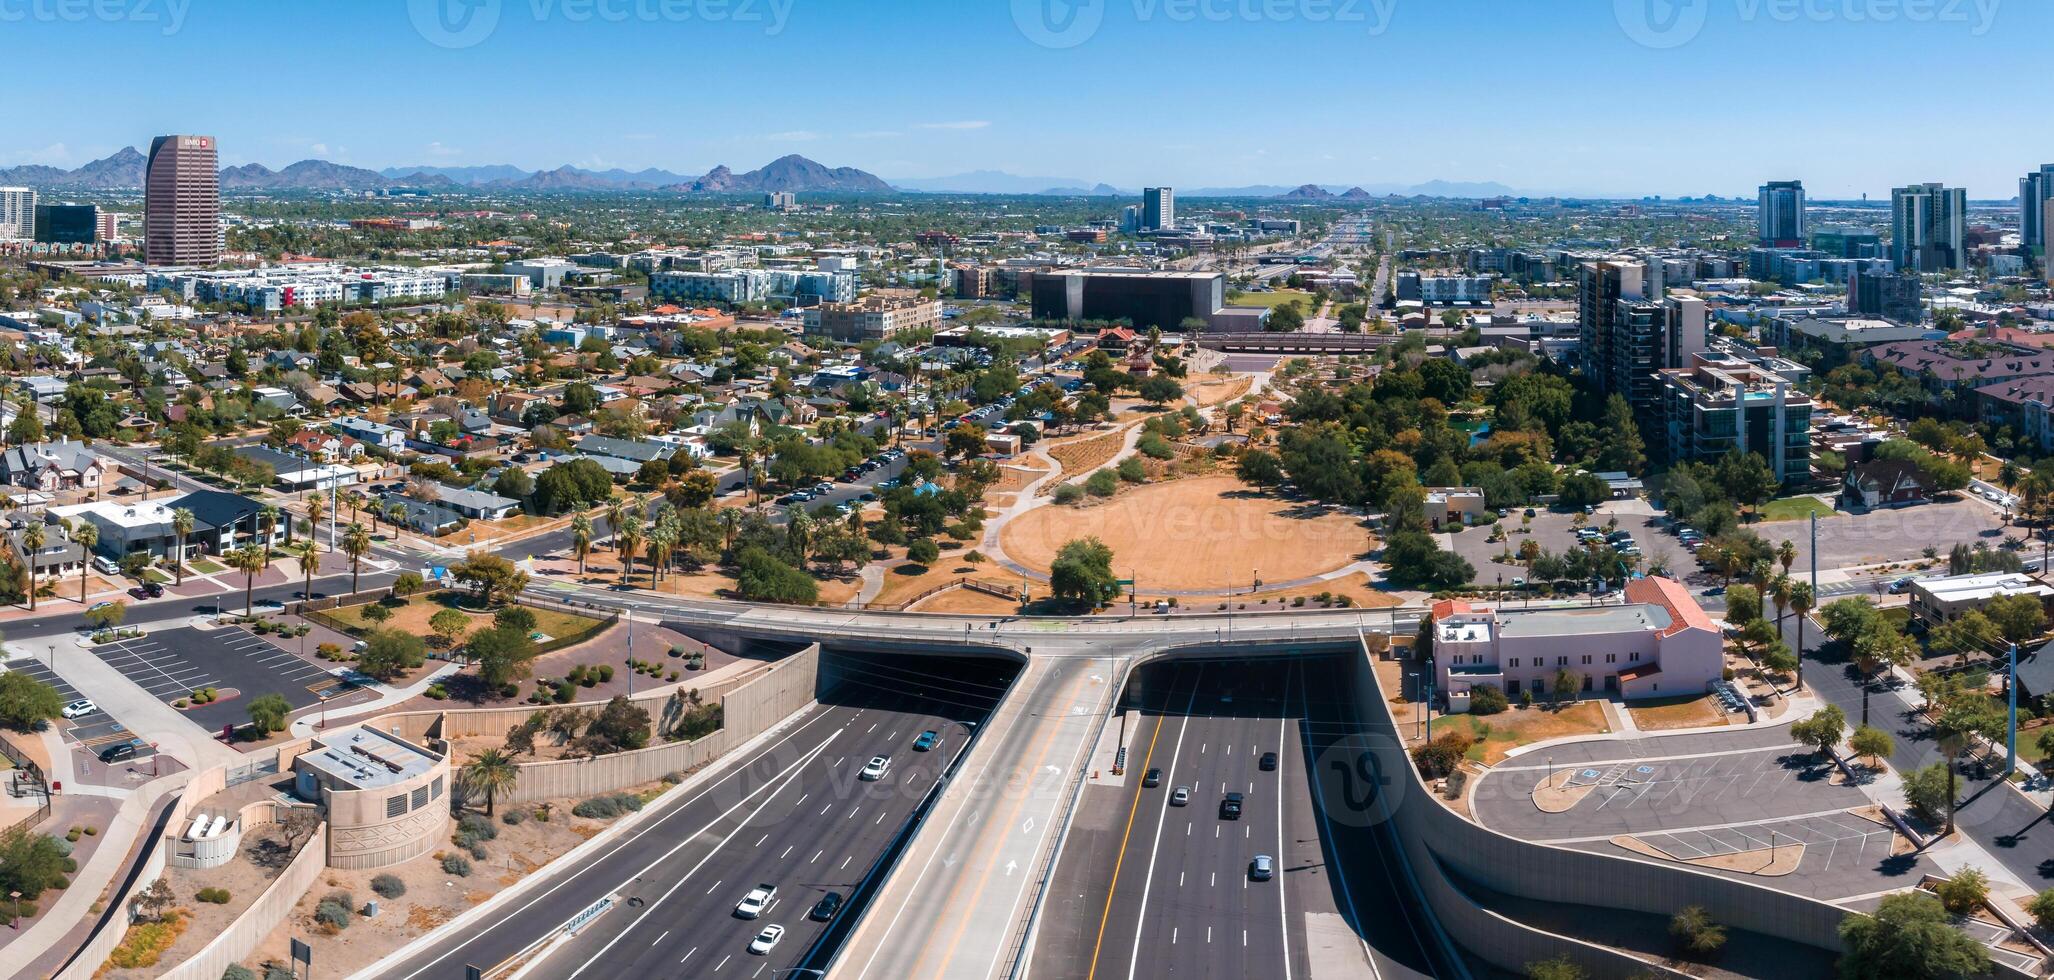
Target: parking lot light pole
{"type": "Point", "coordinates": [2011, 710]}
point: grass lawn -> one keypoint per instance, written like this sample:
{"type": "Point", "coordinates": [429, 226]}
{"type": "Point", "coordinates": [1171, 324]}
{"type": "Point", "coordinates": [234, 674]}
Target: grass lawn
{"type": "Point", "coordinates": [1795, 509]}
{"type": "Point", "coordinates": [1501, 733]}
{"type": "Point", "coordinates": [205, 567]}
{"type": "Point", "coordinates": [1898, 616]}
{"type": "Point", "coordinates": [1274, 298]}
{"type": "Point", "coordinates": [413, 617]}
{"type": "Point", "coordinates": [1690, 711]}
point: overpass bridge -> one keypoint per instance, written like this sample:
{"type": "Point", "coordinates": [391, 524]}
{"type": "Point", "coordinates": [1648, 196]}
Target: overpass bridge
{"type": "Point", "coordinates": [1296, 343]}
{"type": "Point", "coordinates": [961, 903]}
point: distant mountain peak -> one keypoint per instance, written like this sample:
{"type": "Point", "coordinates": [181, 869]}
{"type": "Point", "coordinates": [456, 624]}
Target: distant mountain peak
{"type": "Point", "coordinates": [791, 172]}
{"type": "Point", "coordinates": [1308, 192]}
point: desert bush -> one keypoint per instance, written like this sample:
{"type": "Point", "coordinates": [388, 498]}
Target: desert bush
{"type": "Point", "coordinates": [388, 886]}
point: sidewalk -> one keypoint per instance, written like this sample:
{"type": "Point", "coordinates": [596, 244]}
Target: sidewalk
{"type": "Point", "coordinates": [47, 943]}
{"type": "Point", "coordinates": [309, 723]}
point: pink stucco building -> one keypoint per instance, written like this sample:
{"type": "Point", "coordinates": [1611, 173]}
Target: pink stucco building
{"type": "Point", "coordinates": [1659, 644]}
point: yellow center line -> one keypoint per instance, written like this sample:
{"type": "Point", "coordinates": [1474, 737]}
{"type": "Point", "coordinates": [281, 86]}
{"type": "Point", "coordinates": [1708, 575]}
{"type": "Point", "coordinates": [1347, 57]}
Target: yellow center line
{"type": "Point", "coordinates": [1125, 835]}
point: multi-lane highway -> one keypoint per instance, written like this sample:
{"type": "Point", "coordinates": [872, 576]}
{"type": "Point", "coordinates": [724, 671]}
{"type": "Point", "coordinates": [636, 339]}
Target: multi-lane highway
{"type": "Point", "coordinates": [1149, 888]}
{"type": "Point", "coordinates": [794, 814]}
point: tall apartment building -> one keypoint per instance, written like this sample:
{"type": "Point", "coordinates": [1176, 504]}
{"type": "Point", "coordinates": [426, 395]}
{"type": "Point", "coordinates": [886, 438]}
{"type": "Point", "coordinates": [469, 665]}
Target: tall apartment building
{"type": "Point", "coordinates": [1891, 296]}
{"type": "Point", "coordinates": [1781, 217]}
{"type": "Point", "coordinates": [2035, 191]}
{"type": "Point", "coordinates": [182, 202]}
{"type": "Point", "coordinates": [1631, 331]}
{"type": "Point", "coordinates": [67, 224]}
{"type": "Point", "coordinates": [1929, 227]}
{"type": "Point", "coordinates": [1720, 403]}
{"type": "Point", "coordinates": [876, 318]}
{"type": "Point", "coordinates": [1158, 208]}
{"type": "Point", "coordinates": [17, 214]}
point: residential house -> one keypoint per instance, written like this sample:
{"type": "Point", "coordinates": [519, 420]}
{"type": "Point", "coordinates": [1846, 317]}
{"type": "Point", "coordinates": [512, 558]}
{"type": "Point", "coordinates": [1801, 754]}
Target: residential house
{"type": "Point", "coordinates": [1885, 483]}
{"type": "Point", "coordinates": [389, 438]}
{"type": "Point", "coordinates": [54, 466]}
{"type": "Point", "coordinates": [222, 522]}
{"type": "Point", "coordinates": [477, 504]}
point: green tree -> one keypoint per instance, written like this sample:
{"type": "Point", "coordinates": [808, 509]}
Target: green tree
{"type": "Point", "coordinates": [762, 577]}
{"type": "Point", "coordinates": [107, 616]}
{"type": "Point", "coordinates": [1743, 605]}
{"type": "Point", "coordinates": [1160, 389]}
{"type": "Point", "coordinates": [268, 713]}
{"type": "Point", "coordinates": [1560, 968]}
{"type": "Point", "coordinates": [387, 653]}
{"type": "Point", "coordinates": [1621, 449]}
{"type": "Point", "coordinates": [1083, 572]}
{"type": "Point", "coordinates": [1929, 791]}
{"type": "Point", "coordinates": [581, 539]}
{"type": "Point", "coordinates": [32, 540]}
{"type": "Point", "coordinates": [449, 626]}
{"type": "Point", "coordinates": [1875, 744]}
{"type": "Point", "coordinates": [494, 576]}
{"type": "Point", "coordinates": [503, 655]}
{"type": "Point", "coordinates": [2017, 617]}
{"type": "Point", "coordinates": [1909, 937]}
{"type": "Point", "coordinates": [965, 440]}
{"type": "Point", "coordinates": [26, 703]}
{"type": "Point", "coordinates": [86, 535]}
{"type": "Point", "coordinates": [1259, 467]}
{"type": "Point", "coordinates": [491, 772]}
{"type": "Point", "coordinates": [923, 552]}
{"type": "Point", "coordinates": [249, 560]}
{"type": "Point", "coordinates": [1822, 730]}
{"type": "Point", "coordinates": [1694, 930]}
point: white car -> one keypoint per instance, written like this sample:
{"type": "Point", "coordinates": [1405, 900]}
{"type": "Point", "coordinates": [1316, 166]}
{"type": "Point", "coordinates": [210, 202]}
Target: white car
{"type": "Point", "coordinates": [766, 940]}
{"type": "Point", "coordinates": [758, 899]}
{"type": "Point", "coordinates": [879, 765]}
{"type": "Point", "coordinates": [80, 708]}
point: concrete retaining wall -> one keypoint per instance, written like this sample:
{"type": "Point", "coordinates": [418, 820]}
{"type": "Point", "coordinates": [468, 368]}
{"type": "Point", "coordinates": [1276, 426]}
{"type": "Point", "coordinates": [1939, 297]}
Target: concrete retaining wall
{"type": "Point", "coordinates": [93, 955]}
{"type": "Point", "coordinates": [1436, 839]}
{"type": "Point", "coordinates": [746, 710]}
{"type": "Point", "coordinates": [242, 936]}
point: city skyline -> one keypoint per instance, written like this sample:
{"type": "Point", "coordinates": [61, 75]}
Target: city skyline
{"type": "Point", "coordinates": [1726, 72]}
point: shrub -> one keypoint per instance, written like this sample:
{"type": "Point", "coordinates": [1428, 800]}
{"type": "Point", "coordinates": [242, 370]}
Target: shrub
{"type": "Point", "coordinates": [478, 850]}
{"type": "Point", "coordinates": [213, 896]}
{"type": "Point", "coordinates": [1068, 493]}
{"type": "Point", "coordinates": [477, 826]}
{"type": "Point", "coordinates": [673, 675]}
{"type": "Point", "coordinates": [1695, 931]}
{"type": "Point", "coordinates": [1965, 891]}
{"type": "Point", "coordinates": [1487, 700]}
{"type": "Point", "coordinates": [279, 971]}
{"type": "Point", "coordinates": [333, 915]}
{"type": "Point", "coordinates": [607, 807]}
{"type": "Point", "coordinates": [146, 942]}
{"type": "Point", "coordinates": [1103, 483]}
{"type": "Point", "coordinates": [456, 864]}
{"type": "Point", "coordinates": [1441, 756]}
{"type": "Point", "coordinates": [1155, 446]}
{"type": "Point", "coordinates": [605, 673]}
{"type": "Point", "coordinates": [1132, 471]}
{"type": "Point", "coordinates": [513, 818]}
{"type": "Point", "coordinates": [237, 971]}
{"type": "Point", "coordinates": [389, 886]}
{"type": "Point", "coordinates": [436, 692]}
{"type": "Point", "coordinates": [2042, 909]}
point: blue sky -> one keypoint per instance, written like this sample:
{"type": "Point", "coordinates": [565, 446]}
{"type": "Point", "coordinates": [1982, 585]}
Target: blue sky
{"type": "Point", "coordinates": [1580, 96]}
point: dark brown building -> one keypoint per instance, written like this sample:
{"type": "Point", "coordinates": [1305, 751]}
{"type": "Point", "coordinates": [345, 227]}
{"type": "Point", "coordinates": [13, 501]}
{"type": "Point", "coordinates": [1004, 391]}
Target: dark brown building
{"type": "Point", "coordinates": [182, 202]}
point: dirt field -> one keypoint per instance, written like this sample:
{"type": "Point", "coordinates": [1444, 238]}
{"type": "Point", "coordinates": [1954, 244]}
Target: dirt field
{"type": "Point", "coordinates": [1203, 533]}
{"type": "Point", "coordinates": [1208, 390]}
{"type": "Point", "coordinates": [1081, 456]}
{"type": "Point", "coordinates": [968, 602]}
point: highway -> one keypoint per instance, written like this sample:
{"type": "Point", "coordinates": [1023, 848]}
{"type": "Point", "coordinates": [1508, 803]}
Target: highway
{"type": "Point", "coordinates": [793, 814]}
{"type": "Point", "coordinates": [1149, 889]}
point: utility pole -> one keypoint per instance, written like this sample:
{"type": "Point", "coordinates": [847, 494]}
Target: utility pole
{"type": "Point", "coordinates": [1815, 598]}
{"type": "Point", "coordinates": [2011, 710]}
{"type": "Point", "coordinates": [631, 654]}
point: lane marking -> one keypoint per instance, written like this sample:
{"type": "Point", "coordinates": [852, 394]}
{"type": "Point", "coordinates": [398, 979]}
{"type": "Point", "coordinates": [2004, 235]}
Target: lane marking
{"type": "Point", "coordinates": [1106, 911]}
{"type": "Point", "coordinates": [1155, 847]}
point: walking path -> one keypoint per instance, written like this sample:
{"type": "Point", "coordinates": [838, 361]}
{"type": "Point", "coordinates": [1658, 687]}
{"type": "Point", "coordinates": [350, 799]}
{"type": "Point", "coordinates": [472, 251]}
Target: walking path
{"type": "Point", "coordinates": [310, 722]}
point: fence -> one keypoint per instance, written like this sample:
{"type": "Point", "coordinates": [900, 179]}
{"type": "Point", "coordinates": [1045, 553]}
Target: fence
{"type": "Point", "coordinates": [249, 929]}
{"type": "Point", "coordinates": [26, 771]}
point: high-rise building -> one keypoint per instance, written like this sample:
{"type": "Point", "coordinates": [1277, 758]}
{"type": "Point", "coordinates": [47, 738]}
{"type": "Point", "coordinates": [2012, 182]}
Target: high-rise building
{"type": "Point", "coordinates": [1929, 227]}
{"type": "Point", "coordinates": [182, 202]}
{"type": "Point", "coordinates": [1718, 403]}
{"type": "Point", "coordinates": [1158, 208]}
{"type": "Point", "coordinates": [17, 214]}
{"type": "Point", "coordinates": [1631, 331]}
{"type": "Point", "coordinates": [2034, 191]}
{"type": "Point", "coordinates": [1781, 218]}
{"type": "Point", "coordinates": [67, 224]}
{"type": "Point", "coordinates": [1893, 296]}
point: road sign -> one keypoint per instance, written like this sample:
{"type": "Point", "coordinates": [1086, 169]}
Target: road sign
{"type": "Point", "coordinates": [1128, 582]}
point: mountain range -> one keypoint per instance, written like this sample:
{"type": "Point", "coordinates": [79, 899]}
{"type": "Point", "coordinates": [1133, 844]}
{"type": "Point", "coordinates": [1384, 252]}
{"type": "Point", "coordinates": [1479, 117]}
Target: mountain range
{"type": "Point", "coordinates": [124, 170]}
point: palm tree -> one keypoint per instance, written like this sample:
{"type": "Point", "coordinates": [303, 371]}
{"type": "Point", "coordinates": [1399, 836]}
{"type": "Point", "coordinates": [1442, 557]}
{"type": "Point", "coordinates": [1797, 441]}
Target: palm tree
{"type": "Point", "coordinates": [309, 555]}
{"type": "Point", "coordinates": [493, 772]}
{"type": "Point", "coordinates": [1801, 599]}
{"type": "Point", "coordinates": [87, 534]}
{"type": "Point", "coordinates": [269, 515]}
{"type": "Point", "coordinates": [317, 505]}
{"type": "Point", "coordinates": [249, 560]}
{"type": "Point", "coordinates": [1786, 554]}
{"type": "Point", "coordinates": [730, 522]}
{"type": "Point", "coordinates": [396, 515]}
{"type": "Point", "coordinates": [32, 542]}
{"type": "Point", "coordinates": [614, 508]}
{"type": "Point", "coordinates": [1779, 593]}
{"type": "Point", "coordinates": [581, 539]}
{"type": "Point", "coordinates": [627, 539]}
{"type": "Point", "coordinates": [661, 537]}
{"type": "Point", "coordinates": [355, 501]}
{"type": "Point", "coordinates": [356, 542]}
{"type": "Point", "coordinates": [181, 525]}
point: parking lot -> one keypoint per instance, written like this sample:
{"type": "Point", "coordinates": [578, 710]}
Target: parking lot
{"type": "Point", "coordinates": [1844, 539]}
{"type": "Point", "coordinates": [93, 731]}
{"type": "Point", "coordinates": [171, 664]}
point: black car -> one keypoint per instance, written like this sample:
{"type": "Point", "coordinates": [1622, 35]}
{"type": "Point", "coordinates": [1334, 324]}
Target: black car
{"type": "Point", "coordinates": [118, 752]}
{"type": "Point", "coordinates": [1269, 762]}
{"type": "Point", "coordinates": [1152, 779]}
{"type": "Point", "coordinates": [826, 908]}
{"type": "Point", "coordinates": [1230, 808]}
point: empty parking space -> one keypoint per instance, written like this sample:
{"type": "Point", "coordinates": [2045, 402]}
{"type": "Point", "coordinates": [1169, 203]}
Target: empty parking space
{"type": "Point", "coordinates": [1829, 839]}
{"type": "Point", "coordinates": [171, 664]}
{"type": "Point", "coordinates": [93, 731]}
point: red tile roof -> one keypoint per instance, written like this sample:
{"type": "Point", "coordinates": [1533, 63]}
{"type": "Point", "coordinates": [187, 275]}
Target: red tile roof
{"type": "Point", "coordinates": [1684, 612]}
